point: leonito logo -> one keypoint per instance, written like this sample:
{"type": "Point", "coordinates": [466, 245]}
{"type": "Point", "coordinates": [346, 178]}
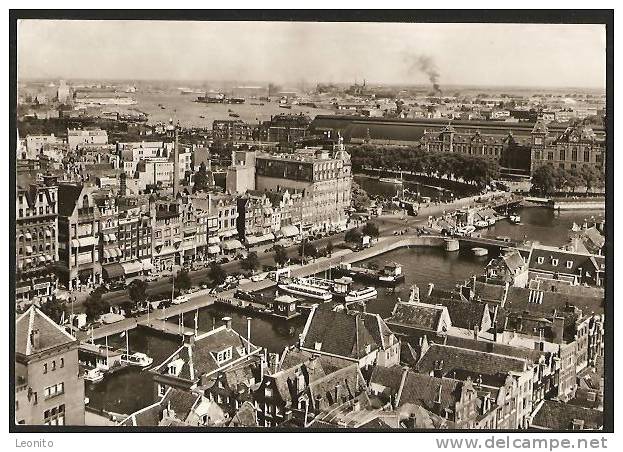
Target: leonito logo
{"type": "Point", "coordinates": [34, 443]}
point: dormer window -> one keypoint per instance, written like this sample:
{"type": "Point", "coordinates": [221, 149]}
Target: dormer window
{"type": "Point", "coordinates": [224, 355]}
{"type": "Point", "coordinates": [555, 262]}
{"type": "Point", "coordinates": [317, 345]}
{"type": "Point", "coordinates": [175, 367]}
{"type": "Point", "coordinates": [569, 264]}
{"type": "Point", "coordinates": [540, 259]}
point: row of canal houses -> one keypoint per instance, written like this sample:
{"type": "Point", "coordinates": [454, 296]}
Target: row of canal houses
{"type": "Point", "coordinates": [514, 348]}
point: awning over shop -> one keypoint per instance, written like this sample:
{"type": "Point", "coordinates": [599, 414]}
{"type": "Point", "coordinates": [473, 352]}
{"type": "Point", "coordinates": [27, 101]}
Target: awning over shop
{"type": "Point", "coordinates": [112, 271]}
{"type": "Point", "coordinates": [232, 245]}
{"type": "Point", "coordinates": [84, 241]}
{"type": "Point", "coordinates": [106, 254]}
{"type": "Point", "coordinates": [28, 236]}
{"type": "Point", "coordinates": [49, 257]}
{"type": "Point", "coordinates": [41, 258]}
{"type": "Point", "coordinates": [214, 240]}
{"type": "Point", "coordinates": [28, 249]}
{"type": "Point", "coordinates": [214, 249]}
{"type": "Point", "coordinates": [132, 267]}
{"type": "Point", "coordinates": [230, 233]}
{"type": "Point", "coordinates": [254, 239]}
{"type": "Point", "coordinates": [147, 265]}
{"type": "Point", "coordinates": [289, 231]}
{"type": "Point", "coordinates": [48, 233]}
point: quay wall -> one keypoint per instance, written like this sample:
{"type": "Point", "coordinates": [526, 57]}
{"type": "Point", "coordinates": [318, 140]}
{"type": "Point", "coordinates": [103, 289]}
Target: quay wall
{"type": "Point", "coordinates": [579, 205]}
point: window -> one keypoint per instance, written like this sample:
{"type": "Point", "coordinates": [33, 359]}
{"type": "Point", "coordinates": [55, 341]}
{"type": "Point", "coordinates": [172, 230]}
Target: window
{"type": "Point", "coordinates": [540, 260]}
{"type": "Point", "coordinates": [54, 416]}
{"type": "Point", "coordinates": [555, 262]}
{"type": "Point", "coordinates": [587, 156]}
{"type": "Point", "coordinates": [45, 368]}
{"type": "Point", "coordinates": [54, 390]}
{"type": "Point", "coordinates": [54, 365]}
{"type": "Point", "coordinates": [224, 355]}
{"type": "Point", "coordinates": [162, 389]}
{"type": "Point", "coordinates": [562, 155]}
{"type": "Point", "coordinates": [569, 264]}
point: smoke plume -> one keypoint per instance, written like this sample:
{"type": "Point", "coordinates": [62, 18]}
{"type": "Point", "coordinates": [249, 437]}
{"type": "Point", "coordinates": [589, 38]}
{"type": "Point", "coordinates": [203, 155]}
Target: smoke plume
{"type": "Point", "coordinates": [424, 64]}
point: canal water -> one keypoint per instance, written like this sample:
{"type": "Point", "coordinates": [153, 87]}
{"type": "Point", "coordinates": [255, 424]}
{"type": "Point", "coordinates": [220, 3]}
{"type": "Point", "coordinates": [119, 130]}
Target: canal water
{"type": "Point", "coordinates": [132, 389]}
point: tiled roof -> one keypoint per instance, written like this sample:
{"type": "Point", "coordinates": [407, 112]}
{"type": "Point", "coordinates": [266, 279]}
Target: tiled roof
{"type": "Point", "coordinates": [495, 347]}
{"type": "Point", "coordinates": [416, 315]}
{"type": "Point", "coordinates": [464, 362]}
{"type": "Point", "coordinates": [424, 390]}
{"type": "Point", "coordinates": [182, 402]}
{"type": "Point", "coordinates": [350, 382]}
{"type": "Point", "coordinates": [50, 334]}
{"type": "Point", "coordinates": [390, 377]}
{"type": "Point", "coordinates": [200, 358]}
{"type": "Point", "coordinates": [518, 300]}
{"type": "Point", "coordinates": [463, 314]}
{"type": "Point", "coordinates": [489, 292]}
{"type": "Point", "coordinates": [246, 416]}
{"type": "Point", "coordinates": [555, 415]}
{"type": "Point", "coordinates": [341, 333]}
{"type": "Point", "coordinates": [568, 262]}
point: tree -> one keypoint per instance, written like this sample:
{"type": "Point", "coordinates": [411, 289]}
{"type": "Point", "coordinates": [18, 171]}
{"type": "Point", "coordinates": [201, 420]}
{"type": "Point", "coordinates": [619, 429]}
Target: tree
{"type": "Point", "coordinates": [591, 176]}
{"type": "Point", "coordinates": [573, 178]}
{"type": "Point", "coordinates": [182, 280]}
{"type": "Point", "coordinates": [308, 249]}
{"type": "Point", "coordinates": [127, 307]}
{"type": "Point", "coordinates": [53, 309]}
{"type": "Point", "coordinates": [138, 291]}
{"type": "Point", "coordinates": [329, 248]}
{"type": "Point", "coordinates": [94, 305]}
{"type": "Point", "coordinates": [370, 229]}
{"type": "Point", "coordinates": [216, 273]}
{"type": "Point", "coordinates": [353, 236]}
{"type": "Point", "coordinates": [281, 255]}
{"type": "Point", "coordinates": [250, 262]}
{"type": "Point", "coordinates": [201, 179]}
{"type": "Point", "coordinates": [359, 197]}
{"type": "Point", "coordinates": [544, 179]}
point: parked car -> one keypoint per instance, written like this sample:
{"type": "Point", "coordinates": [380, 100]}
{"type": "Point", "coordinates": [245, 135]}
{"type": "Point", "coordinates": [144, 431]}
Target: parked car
{"type": "Point", "coordinates": [181, 299]}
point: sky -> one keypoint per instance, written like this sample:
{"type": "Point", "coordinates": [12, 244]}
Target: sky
{"type": "Point", "coordinates": [528, 55]}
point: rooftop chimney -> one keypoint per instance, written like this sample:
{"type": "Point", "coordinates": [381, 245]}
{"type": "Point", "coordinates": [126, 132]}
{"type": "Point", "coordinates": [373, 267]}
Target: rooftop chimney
{"type": "Point", "coordinates": [227, 321]}
{"type": "Point", "coordinates": [431, 286]}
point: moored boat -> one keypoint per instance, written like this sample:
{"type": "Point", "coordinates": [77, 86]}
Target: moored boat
{"type": "Point", "coordinates": [304, 289]}
{"type": "Point", "coordinates": [93, 375]}
{"type": "Point", "coordinates": [361, 294]}
{"type": "Point", "coordinates": [137, 359]}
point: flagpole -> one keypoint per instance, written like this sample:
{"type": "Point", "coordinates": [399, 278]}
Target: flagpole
{"type": "Point", "coordinates": [127, 344]}
{"type": "Point", "coordinates": [106, 351]}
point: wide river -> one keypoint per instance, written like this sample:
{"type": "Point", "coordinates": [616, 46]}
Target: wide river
{"type": "Point", "coordinates": [131, 389]}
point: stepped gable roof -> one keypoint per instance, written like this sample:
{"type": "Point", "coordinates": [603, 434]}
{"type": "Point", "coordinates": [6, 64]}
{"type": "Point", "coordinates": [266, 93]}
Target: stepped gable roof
{"type": "Point", "coordinates": [341, 333]}
{"type": "Point", "coordinates": [463, 314]}
{"type": "Point", "coordinates": [416, 315]}
{"type": "Point", "coordinates": [50, 333]}
{"type": "Point", "coordinates": [451, 361]}
{"type": "Point", "coordinates": [555, 415]}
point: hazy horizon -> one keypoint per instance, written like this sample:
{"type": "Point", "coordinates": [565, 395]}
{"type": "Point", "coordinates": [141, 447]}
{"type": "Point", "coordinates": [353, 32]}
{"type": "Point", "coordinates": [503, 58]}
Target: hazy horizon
{"type": "Point", "coordinates": [467, 55]}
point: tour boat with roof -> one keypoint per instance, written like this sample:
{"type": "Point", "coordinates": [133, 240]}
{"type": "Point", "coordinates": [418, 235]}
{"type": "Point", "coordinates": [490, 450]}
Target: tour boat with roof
{"type": "Point", "coordinates": [361, 294]}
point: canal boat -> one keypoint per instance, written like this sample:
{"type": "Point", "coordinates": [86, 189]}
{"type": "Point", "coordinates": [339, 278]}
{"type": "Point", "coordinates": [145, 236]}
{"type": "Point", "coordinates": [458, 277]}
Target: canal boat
{"type": "Point", "coordinates": [361, 294]}
{"type": "Point", "coordinates": [479, 252]}
{"type": "Point", "coordinates": [465, 231]}
{"type": "Point", "coordinates": [259, 277]}
{"type": "Point", "coordinates": [93, 375]}
{"type": "Point", "coordinates": [515, 219]}
{"type": "Point", "coordinates": [137, 359]}
{"type": "Point", "coordinates": [481, 224]}
{"type": "Point", "coordinates": [302, 288]}
{"type": "Point", "coordinates": [491, 221]}
{"type": "Point", "coordinates": [390, 275]}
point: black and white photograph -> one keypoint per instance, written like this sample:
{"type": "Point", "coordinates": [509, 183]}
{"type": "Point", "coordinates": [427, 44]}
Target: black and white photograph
{"type": "Point", "coordinates": [311, 222]}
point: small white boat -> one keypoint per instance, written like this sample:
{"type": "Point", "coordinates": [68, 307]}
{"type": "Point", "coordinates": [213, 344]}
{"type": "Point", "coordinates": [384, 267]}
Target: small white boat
{"type": "Point", "coordinates": [480, 251]}
{"type": "Point", "coordinates": [361, 294]}
{"type": "Point", "coordinates": [490, 221]}
{"type": "Point", "coordinates": [93, 375]}
{"type": "Point", "coordinates": [465, 230]}
{"type": "Point", "coordinates": [137, 359]}
{"type": "Point", "coordinates": [259, 277]}
{"type": "Point", "coordinates": [516, 219]}
{"type": "Point", "coordinates": [481, 224]}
